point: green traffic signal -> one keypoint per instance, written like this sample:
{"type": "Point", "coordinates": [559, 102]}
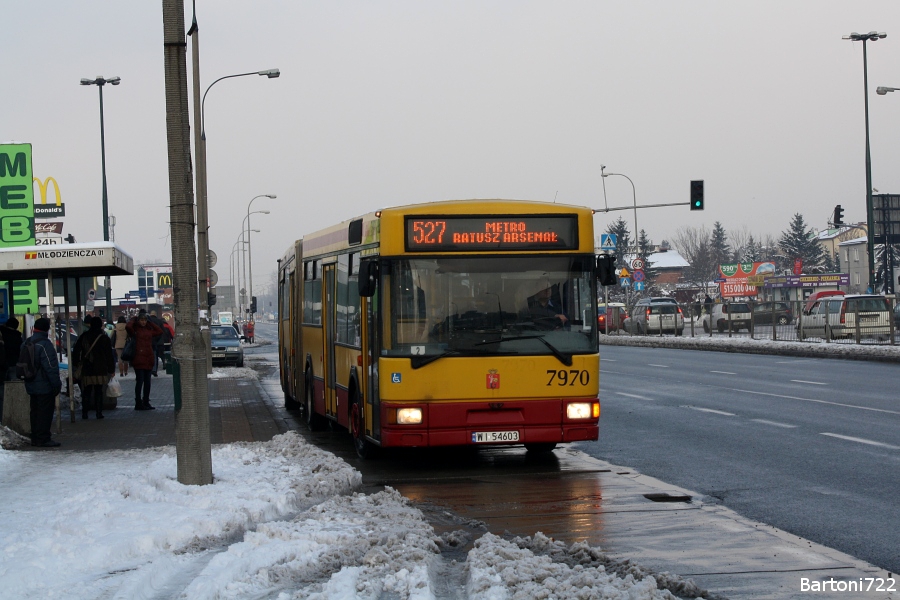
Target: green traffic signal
{"type": "Point", "coordinates": [697, 195]}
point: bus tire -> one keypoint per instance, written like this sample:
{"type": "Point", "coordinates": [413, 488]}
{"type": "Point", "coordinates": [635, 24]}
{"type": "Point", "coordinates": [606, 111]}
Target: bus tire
{"type": "Point", "coordinates": [540, 448]}
{"type": "Point", "coordinates": [364, 448]}
{"type": "Point", "coordinates": [314, 422]}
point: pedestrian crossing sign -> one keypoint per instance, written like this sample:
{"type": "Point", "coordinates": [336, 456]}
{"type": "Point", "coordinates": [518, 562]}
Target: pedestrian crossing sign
{"type": "Point", "coordinates": [608, 241]}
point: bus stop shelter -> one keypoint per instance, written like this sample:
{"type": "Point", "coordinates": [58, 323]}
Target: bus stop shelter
{"type": "Point", "coordinates": [97, 259]}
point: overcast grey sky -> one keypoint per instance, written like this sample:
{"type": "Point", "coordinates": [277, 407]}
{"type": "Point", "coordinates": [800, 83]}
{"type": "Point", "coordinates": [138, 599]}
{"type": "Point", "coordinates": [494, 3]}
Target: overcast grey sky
{"type": "Point", "coordinates": [385, 103]}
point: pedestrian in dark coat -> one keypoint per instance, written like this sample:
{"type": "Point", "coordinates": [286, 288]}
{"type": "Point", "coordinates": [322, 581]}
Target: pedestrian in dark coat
{"type": "Point", "coordinates": [143, 332]}
{"type": "Point", "coordinates": [94, 354]}
{"type": "Point", "coordinates": [44, 388]}
{"type": "Point", "coordinates": [12, 343]}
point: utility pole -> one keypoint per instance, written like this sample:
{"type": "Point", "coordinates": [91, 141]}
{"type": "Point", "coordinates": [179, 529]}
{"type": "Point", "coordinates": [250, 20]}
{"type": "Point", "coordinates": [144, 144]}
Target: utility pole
{"type": "Point", "coordinates": [192, 445]}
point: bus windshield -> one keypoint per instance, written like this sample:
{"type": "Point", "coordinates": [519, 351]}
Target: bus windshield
{"type": "Point", "coordinates": [475, 306]}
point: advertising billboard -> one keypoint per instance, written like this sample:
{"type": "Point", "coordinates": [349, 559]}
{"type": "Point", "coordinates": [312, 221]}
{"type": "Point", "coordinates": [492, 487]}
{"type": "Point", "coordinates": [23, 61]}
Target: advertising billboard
{"type": "Point", "coordinates": [737, 276]}
{"type": "Point", "coordinates": [17, 217]}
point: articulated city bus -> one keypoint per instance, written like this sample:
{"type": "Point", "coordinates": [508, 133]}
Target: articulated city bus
{"type": "Point", "coordinates": [450, 323]}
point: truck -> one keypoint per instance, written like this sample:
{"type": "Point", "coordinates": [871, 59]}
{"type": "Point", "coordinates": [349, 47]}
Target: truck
{"type": "Point", "coordinates": [225, 318]}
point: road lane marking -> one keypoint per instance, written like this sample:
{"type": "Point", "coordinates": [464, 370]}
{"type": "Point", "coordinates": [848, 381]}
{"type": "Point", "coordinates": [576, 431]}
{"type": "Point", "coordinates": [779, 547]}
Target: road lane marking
{"type": "Point", "coordinates": [609, 359]}
{"type": "Point", "coordinates": [881, 410]}
{"type": "Point", "coordinates": [613, 372]}
{"type": "Point", "coordinates": [862, 441]}
{"type": "Point", "coordinates": [775, 423]}
{"type": "Point", "coordinates": [710, 410]}
{"type": "Point", "coordinates": [724, 372]}
{"type": "Point", "coordinates": [661, 366]}
{"type": "Point", "coordinates": [809, 382]}
{"type": "Point", "coordinates": [633, 396]}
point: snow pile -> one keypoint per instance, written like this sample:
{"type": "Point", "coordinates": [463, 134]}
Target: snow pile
{"type": "Point", "coordinates": [10, 440]}
{"type": "Point", "coordinates": [233, 373]}
{"type": "Point", "coordinates": [280, 521]}
{"type": "Point", "coordinates": [886, 353]}
{"type": "Point", "coordinates": [72, 521]}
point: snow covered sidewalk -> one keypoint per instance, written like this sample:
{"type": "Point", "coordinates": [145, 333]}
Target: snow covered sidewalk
{"type": "Point", "coordinates": [281, 521]}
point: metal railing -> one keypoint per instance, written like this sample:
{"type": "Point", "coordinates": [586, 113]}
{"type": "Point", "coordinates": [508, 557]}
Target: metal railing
{"type": "Point", "coordinates": [832, 321]}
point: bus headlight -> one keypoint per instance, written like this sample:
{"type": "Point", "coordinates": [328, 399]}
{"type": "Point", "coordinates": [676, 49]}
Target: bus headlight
{"type": "Point", "coordinates": [409, 416]}
{"type": "Point", "coordinates": [580, 410]}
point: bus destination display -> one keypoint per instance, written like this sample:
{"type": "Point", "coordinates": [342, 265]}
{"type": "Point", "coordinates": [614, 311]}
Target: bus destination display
{"type": "Point", "coordinates": [485, 232]}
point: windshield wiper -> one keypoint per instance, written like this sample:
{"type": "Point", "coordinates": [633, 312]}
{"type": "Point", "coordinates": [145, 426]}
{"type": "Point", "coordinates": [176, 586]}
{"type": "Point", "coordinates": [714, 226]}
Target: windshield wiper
{"type": "Point", "coordinates": [565, 359]}
{"type": "Point", "coordinates": [417, 362]}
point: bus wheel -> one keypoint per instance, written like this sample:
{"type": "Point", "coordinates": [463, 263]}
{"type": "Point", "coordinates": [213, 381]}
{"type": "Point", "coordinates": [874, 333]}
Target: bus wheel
{"type": "Point", "coordinates": [314, 422]}
{"type": "Point", "coordinates": [364, 448]}
{"type": "Point", "coordinates": [540, 448]}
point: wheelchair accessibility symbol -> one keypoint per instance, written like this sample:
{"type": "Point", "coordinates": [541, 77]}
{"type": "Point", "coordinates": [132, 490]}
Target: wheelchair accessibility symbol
{"type": "Point", "coordinates": [395, 377]}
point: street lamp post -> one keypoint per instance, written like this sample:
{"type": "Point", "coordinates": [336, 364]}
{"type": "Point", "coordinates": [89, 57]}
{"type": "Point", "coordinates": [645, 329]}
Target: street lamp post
{"type": "Point", "coordinates": [202, 206]}
{"type": "Point", "coordinates": [100, 81]}
{"type": "Point", "coordinates": [633, 199]}
{"type": "Point", "coordinates": [872, 36]}
{"type": "Point", "coordinates": [249, 253]}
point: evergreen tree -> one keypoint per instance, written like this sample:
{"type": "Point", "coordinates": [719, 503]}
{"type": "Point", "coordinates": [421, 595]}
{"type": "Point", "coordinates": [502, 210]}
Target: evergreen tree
{"type": "Point", "coordinates": [645, 249]}
{"type": "Point", "coordinates": [619, 228]}
{"type": "Point", "coordinates": [753, 252]}
{"type": "Point", "coordinates": [718, 245]}
{"type": "Point", "coordinates": [828, 262]}
{"type": "Point", "coordinates": [798, 241]}
{"type": "Point", "coordinates": [881, 257]}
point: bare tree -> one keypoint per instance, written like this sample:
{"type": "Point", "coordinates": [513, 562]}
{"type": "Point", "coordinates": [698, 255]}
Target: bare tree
{"type": "Point", "coordinates": [694, 244]}
{"type": "Point", "coordinates": [740, 240]}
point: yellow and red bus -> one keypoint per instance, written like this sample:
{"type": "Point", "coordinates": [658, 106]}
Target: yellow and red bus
{"type": "Point", "coordinates": [470, 322]}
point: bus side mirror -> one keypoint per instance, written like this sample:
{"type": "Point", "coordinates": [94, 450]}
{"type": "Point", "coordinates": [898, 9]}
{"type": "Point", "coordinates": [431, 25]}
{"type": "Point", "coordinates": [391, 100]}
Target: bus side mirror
{"type": "Point", "coordinates": [606, 269]}
{"type": "Point", "coordinates": [368, 277]}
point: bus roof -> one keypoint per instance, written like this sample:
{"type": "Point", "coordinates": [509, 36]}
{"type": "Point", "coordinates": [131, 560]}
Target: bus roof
{"type": "Point", "coordinates": [336, 237]}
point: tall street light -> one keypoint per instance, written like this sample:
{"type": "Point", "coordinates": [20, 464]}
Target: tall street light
{"type": "Point", "coordinates": [633, 199]}
{"type": "Point", "coordinates": [200, 151]}
{"type": "Point", "coordinates": [100, 81]}
{"type": "Point", "coordinates": [249, 253]}
{"type": "Point", "coordinates": [242, 264]}
{"type": "Point", "coordinates": [872, 36]}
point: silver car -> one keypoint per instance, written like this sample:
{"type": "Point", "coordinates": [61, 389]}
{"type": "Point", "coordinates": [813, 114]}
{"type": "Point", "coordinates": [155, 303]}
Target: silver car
{"type": "Point", "coordinates": [657, 315]}
{"type": "Point", "coordinates": [834, 317]}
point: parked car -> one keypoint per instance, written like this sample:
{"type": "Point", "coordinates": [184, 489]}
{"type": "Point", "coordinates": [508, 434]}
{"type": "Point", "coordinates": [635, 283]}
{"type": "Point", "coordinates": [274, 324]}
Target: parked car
{"type": "Point", "coordinates": [611, 316]}
{"type": "Point", "coordinates": [836, 317]}
{"type": "Point", "coordinates": [763, 313]}
{"type": "Point", "coordinates": [657, 315]}
{"type": "Point", "coordinates": [897, 316]}
{"type": "Point", "coordinates": [818, 296]}
{"type": "Point", "coordinates": [733, 315]}
{"type": "Point", "coordinates": [225, 345]}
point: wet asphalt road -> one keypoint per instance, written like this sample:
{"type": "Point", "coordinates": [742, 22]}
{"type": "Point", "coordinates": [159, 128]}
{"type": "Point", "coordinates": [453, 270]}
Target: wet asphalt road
{"type": "Point", "coordinates": [811, 446]}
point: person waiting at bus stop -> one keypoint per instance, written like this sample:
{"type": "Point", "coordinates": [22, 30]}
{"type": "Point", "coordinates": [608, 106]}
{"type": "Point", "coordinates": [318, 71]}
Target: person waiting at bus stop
{"type": "Point", "coordinates": [143, 332]}
{"type": "Point", "coordinates": [93, 352]}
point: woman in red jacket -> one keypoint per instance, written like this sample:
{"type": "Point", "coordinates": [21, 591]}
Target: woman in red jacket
{"type": "Point", "coordinates": [143, 332]}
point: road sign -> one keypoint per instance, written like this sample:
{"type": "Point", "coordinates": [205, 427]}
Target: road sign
{"type": "Point", "coordinates": [638, 275]}
{"type": "Point", "coordinates": [625, 282]}
{"type": "Point", "coordinates": [213, 278]}
{"type": "Point", "coordinates": [639, 286]}
{"type": "Point", "coordinates": [637, 263]}
{"type": "Point", "coordinates": [211, 258]}
{"type": "Point", "coordinates": [624, 272]}
{"type": "Point", "coordinates": [608, 241]}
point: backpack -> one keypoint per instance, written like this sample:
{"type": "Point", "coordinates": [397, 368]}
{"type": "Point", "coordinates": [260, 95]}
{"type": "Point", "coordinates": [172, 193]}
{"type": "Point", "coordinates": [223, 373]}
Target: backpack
{"type": "Point", "coordinates": [25, 368]}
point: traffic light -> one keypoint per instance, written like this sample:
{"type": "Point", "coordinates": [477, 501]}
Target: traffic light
{"type": "Point", "coordinates": [697, 195]}
{"type": "Point", "coordinates": [210, 299]}
{"type": "Point", "coordinates": [838, 215]}
{"type": "Point", "coordinates": [606, 269]}
{"type": "Point", "coordinates": [253, 305]}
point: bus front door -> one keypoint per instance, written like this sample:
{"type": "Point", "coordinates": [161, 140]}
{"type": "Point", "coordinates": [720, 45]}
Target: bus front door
{"type": "Point", "coordinates": [328, 337]}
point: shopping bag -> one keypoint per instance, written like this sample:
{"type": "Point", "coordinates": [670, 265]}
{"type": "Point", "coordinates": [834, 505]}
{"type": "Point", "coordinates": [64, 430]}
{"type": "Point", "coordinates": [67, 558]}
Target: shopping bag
{"type": "Point", "coordinates": [114, 388]}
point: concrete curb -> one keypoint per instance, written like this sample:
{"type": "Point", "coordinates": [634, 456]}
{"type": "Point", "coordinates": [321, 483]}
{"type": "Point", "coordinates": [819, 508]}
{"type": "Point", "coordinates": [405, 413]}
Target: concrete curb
{"type": "Point", "coordinates": [889, 354]}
